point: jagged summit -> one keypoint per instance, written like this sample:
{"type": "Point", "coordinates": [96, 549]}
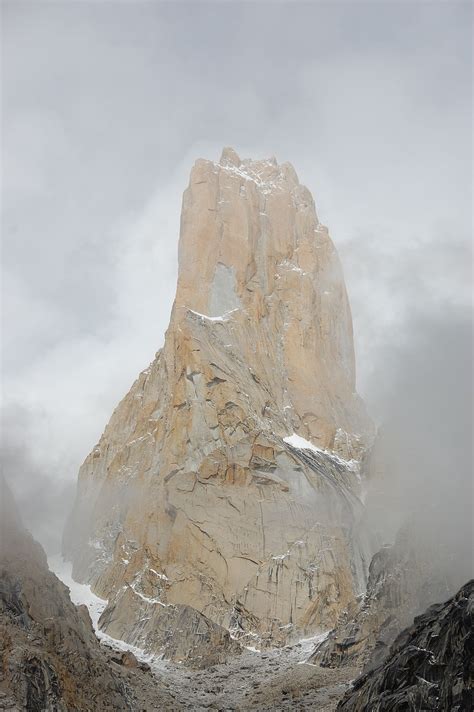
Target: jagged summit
{"type": "Point", "coordinates": [252, 249]}
{"type": "Point", "coordinates": [265, 173]}
{"type": "Point", "coordinates": [196, 494]}
{"type": "Point", "coordinates": [238, 215]}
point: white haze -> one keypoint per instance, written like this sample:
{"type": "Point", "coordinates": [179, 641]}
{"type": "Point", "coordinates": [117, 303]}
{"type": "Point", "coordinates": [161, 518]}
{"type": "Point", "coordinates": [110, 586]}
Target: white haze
{"type": "Point", "coordinates": [105, 108]}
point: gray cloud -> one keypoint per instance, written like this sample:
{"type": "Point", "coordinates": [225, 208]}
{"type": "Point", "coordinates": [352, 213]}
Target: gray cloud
{"type": "Point", "coordinates": [105, 107]}
{"type": "Point", "coordinates": [424, 452]}
{"type": "Point", "coordinates": [42, 495]}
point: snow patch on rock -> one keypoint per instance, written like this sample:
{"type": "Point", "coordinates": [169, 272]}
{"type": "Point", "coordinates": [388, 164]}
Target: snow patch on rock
{"type": "Point", "coordinates": [300, 443]}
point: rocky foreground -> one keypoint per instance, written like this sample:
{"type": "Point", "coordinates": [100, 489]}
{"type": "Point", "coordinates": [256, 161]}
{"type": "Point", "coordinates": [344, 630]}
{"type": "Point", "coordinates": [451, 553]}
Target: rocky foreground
{"type": "Point", "coordinates": [277, 679]}
{"type": "Point", "coordinates": [50, 658]}
{"type": "Point", "coordinates": [430, 666]}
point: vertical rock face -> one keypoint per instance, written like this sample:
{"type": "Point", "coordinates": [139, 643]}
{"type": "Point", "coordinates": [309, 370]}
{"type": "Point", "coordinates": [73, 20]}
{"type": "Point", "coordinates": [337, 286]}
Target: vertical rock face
{"type": "Point", "coordinates": [228, 478]}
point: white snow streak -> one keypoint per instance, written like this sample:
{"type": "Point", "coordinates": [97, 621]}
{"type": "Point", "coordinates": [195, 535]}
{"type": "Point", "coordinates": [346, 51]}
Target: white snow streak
{"type": "Point", "coordinates": [223, 317]}
{"type": "Point", "coordinates": [81, 594]}
{"type": "Point", "coordinates": [302, 444]}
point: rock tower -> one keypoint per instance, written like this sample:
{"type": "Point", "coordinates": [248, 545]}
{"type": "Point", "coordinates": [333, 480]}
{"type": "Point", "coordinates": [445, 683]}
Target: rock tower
{"type": "Point", "coordinates": [224, 494]}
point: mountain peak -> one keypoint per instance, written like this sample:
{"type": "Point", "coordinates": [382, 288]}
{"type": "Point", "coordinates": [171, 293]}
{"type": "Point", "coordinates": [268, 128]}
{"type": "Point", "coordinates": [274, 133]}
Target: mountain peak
{"type": "Point", "coordinates": [229, 157]}
{"type": "Point", "coordinates": [253, 252]}
{"type": "Point", "coordinates": [199, 494]}
{"type": "Point", "coordinates": [247, 219]}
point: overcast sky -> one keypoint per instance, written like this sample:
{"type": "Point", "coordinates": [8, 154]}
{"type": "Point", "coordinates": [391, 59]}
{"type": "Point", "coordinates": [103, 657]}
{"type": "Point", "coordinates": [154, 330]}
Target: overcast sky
{"type": "Point", "coordinates": [106, 105]}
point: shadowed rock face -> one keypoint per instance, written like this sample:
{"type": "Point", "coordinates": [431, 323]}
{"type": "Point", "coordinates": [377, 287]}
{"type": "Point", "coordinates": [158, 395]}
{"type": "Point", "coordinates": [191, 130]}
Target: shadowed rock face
{"type": "Point", "coordinates": [402, 580]}
{"type": "Point", "coordinates": [193, 497]}
{"type": "Point", "coordinates": [50, 659]}
{"type": "Point", "coordinates": [430, 666]}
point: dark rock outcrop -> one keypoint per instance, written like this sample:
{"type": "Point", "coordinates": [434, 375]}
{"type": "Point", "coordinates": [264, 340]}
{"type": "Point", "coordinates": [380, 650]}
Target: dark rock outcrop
{"type": "Point", "coordinates": [430, 666]}
{"type": "Point", "coordinates": [50, 658]}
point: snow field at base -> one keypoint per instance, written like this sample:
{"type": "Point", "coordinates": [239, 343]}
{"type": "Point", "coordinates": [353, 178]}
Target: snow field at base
{"type": "Point", "coordinates": [81, 595]}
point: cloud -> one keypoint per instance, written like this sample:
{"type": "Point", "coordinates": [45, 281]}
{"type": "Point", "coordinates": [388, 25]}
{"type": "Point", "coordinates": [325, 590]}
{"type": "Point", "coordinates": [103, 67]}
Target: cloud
{"type": "Point", "coordinates": [393, 278]}
{"type": "Point", "coordinates": [42, 494]}
{"type": "Point", "coordinates": [105, 108]}
{"type": "Point", "coordinates": [424, 451]}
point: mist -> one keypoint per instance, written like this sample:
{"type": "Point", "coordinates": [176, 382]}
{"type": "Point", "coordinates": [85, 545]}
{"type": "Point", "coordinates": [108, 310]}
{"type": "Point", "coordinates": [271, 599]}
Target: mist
{"type": "Point", "coordinates": [423, 455]}
{"type": "Point", "coordinates": [105, 108]}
